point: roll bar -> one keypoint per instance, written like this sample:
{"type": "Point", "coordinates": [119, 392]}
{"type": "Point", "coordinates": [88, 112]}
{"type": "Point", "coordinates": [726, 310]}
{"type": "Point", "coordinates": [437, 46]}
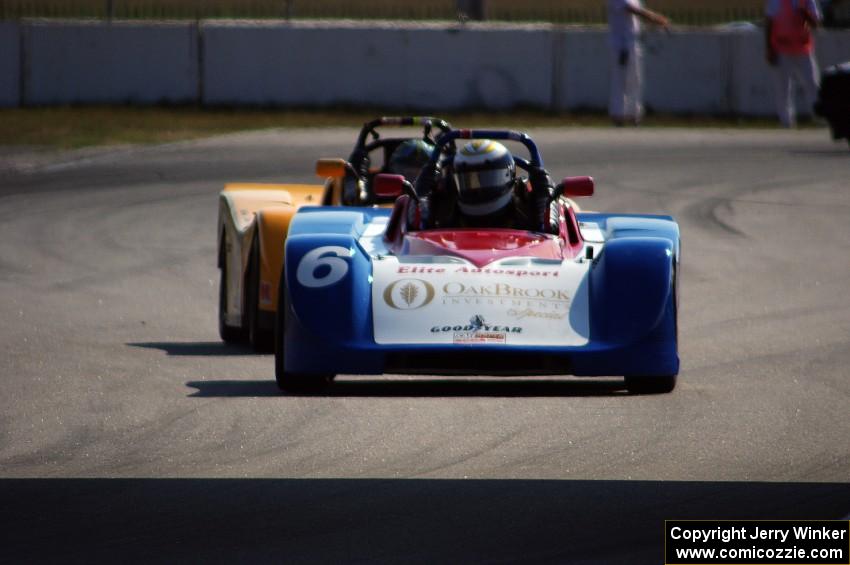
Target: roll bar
{"type": "Point", "coordinates": [442, 140]}
{"type": "Point", "coordinates": [427, 122]}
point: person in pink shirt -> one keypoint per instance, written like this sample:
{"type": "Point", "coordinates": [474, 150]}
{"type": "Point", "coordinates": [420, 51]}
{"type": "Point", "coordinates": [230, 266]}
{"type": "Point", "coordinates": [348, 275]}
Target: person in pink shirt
{"type": "Point", "coordinates": [791, 51]}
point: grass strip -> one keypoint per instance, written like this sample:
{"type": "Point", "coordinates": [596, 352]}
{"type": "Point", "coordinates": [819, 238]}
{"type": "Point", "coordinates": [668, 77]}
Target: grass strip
{"type": "Point", "coordinates": [82, 126]}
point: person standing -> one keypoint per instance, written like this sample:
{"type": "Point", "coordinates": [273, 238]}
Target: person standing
{"type": "Point", "coordinates": [624, 16]}
{"type": "Point", "coordinates": [791, 51]}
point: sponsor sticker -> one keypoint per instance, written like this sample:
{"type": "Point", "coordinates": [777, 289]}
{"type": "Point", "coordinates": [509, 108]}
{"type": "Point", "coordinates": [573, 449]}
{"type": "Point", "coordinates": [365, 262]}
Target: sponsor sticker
{"type": "Point", "coordinates": [265, 292]}
{"type": "Point", "coordinates": [446, 303]}
{"type": "Point", "coordinates": [487, 271]}
{"type": "Point", "coordinates": [409, 294]}
{"type": "Point", "coordinates": [505, 290]}
{"type": "Point", "coordinates": [522, 313]}
{"type": "Point", "coordinates": [478, 330]}
{"type": "Point", "coordinates": [520, 301]}
{"type": "Point", "coordinates": [479, 337]}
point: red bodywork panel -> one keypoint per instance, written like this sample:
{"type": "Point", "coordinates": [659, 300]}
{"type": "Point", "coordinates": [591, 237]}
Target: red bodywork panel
{"type": "Point", "coordinates": [482, 246]}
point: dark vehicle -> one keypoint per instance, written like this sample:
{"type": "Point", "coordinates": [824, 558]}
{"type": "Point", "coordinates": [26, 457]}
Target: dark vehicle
{"type": "Point", "coordinates": [836, 13]}
{"type": "Point", "coordinates": [834, 100]}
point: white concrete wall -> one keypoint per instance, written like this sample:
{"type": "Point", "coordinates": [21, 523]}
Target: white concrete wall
{"type": "Point", "coordinates": [687, 73]}
{"type": "Point", "coordinates": [429, 67]}
{"type": "Point", "coordinates": [417, 66]}
{"type": "Point", "coordinates": [833, 47]}
{"type": "Point", "coordinates": [751, 87]}
{"type": "Point", "coordinates": [752, 79]}
{"type": "Point", "coordinates": [99, 62]}
{"type": "Point", "coordinates": [581, 69]}
{"type": "Point", "coordinates": [683, 72]}
{"type": "Point", "coordinates": [10, 59]}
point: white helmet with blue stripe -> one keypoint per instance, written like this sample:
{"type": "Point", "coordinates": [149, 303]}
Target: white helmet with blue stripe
{"type": "Point", "coordinates": [485, 174]}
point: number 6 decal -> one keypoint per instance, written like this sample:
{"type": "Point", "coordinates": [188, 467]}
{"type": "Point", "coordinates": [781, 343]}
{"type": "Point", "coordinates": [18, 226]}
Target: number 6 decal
{"type": "Point", "coordinates": [330, 257]}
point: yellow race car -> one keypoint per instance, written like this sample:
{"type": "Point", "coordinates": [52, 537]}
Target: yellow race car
{"type": "Point", "coordinates": [253, 221]}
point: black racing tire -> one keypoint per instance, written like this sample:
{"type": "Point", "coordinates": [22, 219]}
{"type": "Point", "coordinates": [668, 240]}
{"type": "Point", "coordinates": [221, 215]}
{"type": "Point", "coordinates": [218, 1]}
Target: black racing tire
{"type": "Point", "coordinates": [262, 340]}
{"type": "Point", "coordinates": [664, 383]}
{"type": "Point", "coordinates": [651, 385]}
{"type": "Point", "coordinates": [288, 381]}
{"type": "Point", "coordinates": [229, 334]}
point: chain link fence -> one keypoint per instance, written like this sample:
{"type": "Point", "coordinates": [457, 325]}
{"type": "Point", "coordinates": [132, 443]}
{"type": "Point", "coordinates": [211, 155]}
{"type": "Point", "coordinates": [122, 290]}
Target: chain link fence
{"type": "Point", "coordinates": [683, 12]}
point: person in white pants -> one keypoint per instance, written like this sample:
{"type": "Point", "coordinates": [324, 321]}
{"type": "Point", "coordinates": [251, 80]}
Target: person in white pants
{"type": "Point", "coordinates": [791, 51]}
{"type": "Point", "coordinates": [626, 102]}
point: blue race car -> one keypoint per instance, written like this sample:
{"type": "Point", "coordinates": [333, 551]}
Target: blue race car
{"type": "Point", "coordinates": [374, 291]}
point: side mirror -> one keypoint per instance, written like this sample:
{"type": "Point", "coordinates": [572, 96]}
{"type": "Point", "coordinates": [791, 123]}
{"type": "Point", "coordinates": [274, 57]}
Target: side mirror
{"type": "Point", "coordinates": [331, 168]}
{"type": "Point", "coordinates": [388, 186]}
{"type": "Point", "coordinates": [574, 187]}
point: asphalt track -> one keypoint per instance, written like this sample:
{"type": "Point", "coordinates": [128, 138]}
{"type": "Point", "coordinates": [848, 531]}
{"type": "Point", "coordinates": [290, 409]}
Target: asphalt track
{"type": "Point", "coordinates": [128, 431]}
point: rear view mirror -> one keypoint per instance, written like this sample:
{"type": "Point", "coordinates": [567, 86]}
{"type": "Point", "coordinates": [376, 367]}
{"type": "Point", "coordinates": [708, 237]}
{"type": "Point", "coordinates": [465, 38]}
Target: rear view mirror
{"type": "Point", "coordinates": [574, 186]}
{"type": "Point", "coordinates": [331, 168]}
{"type": "Point", "coordinates": [388, 186]}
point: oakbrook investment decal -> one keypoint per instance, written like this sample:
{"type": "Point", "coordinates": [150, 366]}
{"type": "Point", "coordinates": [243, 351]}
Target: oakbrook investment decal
{"type": "Point", "coordinates": [409, 294]}
{"type": "Point", "coordinates": [503, 290]}
{"type": "Point", "coordinates": [499, 304]}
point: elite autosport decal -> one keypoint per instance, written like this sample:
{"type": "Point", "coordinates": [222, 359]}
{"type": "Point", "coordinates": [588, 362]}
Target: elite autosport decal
{"type": "Point", "coordinates": [464, 270]}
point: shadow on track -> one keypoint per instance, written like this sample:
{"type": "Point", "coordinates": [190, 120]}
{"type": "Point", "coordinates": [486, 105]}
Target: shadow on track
{"type": "Point", "coordinates": [377, 520]}
{"type": "Point", "coordinates": [430, 388]}
{"type": "Point", "coordinates": [196, 348]}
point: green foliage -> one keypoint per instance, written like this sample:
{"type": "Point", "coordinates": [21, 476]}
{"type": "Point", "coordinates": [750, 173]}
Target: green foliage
{"type": "Point", "coordinates": [79, 126]}
{"type": "Point", "coordinates": [692, 12]}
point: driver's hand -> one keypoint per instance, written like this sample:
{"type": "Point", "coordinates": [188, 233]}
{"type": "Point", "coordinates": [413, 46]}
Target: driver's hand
{"type": "Point", "coordinates": [541, 198]}
{"type": "Point", "coordinates": [522, 188]}
{"type": "Point", "coordinates": [426, 182]}
{"type": "Point", "coordinates": [419, 214]}
{"type": "Point", "coordinates": [541, 182]}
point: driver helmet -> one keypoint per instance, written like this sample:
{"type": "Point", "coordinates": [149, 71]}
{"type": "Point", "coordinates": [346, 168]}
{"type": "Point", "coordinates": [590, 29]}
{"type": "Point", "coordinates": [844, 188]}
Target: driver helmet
{"type": "Point", "coordinates": [409, 157]}
{"type": "Point", "coordinates": [485, 174]}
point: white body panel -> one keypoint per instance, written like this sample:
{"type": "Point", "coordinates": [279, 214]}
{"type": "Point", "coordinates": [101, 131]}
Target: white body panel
{"type": "Point", "coordinates": [516, 301]}
{"type": "Point", "coordinates": [237, 230]}
{"type": "Point", "coordinates": [446, 299]}
{"type": "Point", "coordinates": [237, 223]}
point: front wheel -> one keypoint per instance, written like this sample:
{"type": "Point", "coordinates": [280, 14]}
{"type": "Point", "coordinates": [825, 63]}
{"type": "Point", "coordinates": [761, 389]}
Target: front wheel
{"type": "Point", "coordinates": [651, 385]}
{"type": "Point", "coordinates": [288, 381]}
